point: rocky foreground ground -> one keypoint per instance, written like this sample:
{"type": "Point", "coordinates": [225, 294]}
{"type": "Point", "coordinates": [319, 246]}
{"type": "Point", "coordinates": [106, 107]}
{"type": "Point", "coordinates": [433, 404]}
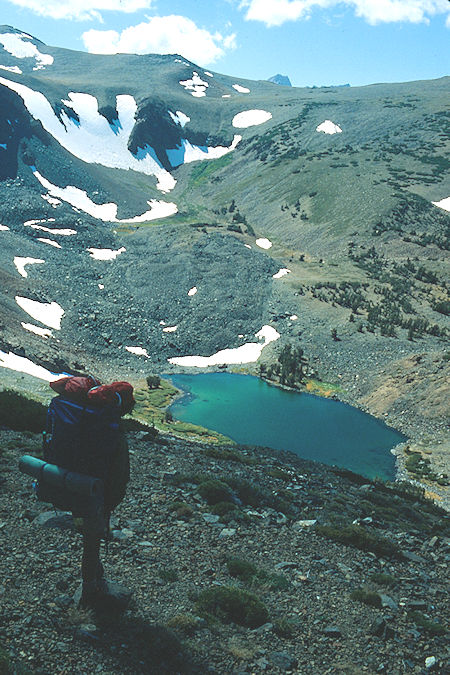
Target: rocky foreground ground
{"type": "Point", "coordinates": [348, 576]}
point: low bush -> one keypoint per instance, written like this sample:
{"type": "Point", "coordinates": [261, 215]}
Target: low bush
{"type": "Point", "coordinates": [168, 574]}
{"type": "Point", "coordinates": [367, 597]}
{"type": "Point", "coordinates": [221, 508]}
{"type": "Point", "coordinates": [215, 491]}
{"type": "Point", "coordinates": [230, 604]}
{"type": "Point", "coordinates": [186, 623]}
{"type": "Point", "coordinates": [357, 536]}
{"type": "Point", "coordinates": [429, 626]}
{"type": "Point", "coordinates": [383, 579]}
{"type": "Point", "coordinates": [21, 413]}
{"type": "Point", "coordinates": [250, 574]}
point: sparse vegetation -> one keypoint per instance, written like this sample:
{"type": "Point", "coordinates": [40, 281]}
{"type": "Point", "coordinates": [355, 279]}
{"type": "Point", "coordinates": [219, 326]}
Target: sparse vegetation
{"type": "Point", "coordinates": [367, 597]}
{"type": "Point", "coordinates": [229, 603]}
{"type": "Point", "coordinates": [359, 537]}
{"type": "Point", "coordinates": [254, 576]}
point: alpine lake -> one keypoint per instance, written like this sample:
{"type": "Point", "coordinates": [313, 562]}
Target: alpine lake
{"type": "Point", "coordinates": [252, 412]}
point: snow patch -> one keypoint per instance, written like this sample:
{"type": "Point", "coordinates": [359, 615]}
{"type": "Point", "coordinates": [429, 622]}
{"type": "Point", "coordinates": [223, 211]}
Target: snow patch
{"type": "Point", "coordinates": [179, 118]}
{"type": "Point", "coordinates": [108, 211]}
{"type": "Point", "coordinates": [170, 329]}
{"type": "Point", "coordinates": [250, 118]}
{"type": "Point", "coordinates": [226, 95]}
{"type": "Point", "coordinates": [139, 351]}
{"type": "Point", "coordinates": [21, 262]}
{"type": "Point", "coordinates": [246, 353]}
{"type": "Point", "coordinates": [186, 152]}
{"type": "Point", "coordinates": [294, 317]}
{"type": "Point", "coordinates": [105, 253]}
{"type": "Point", "coordinates": [281, 273]}
{"type": "Point", "coordinates": [24, 365]}
{"type": "Point", "coordinates": [208, 74]}
{"type": "Point", "coordinates": [241, 89]}
{"type": "Point", "coordinates": [247, 246]}
{"type": "Point", "coordinates": [329, 127]}
{"type": "Point", "coordinates": [443, 204]}
{"type": "Point", "coordinates": [101, 286]}
{"type": "Point", "coordinates": [263, 243]}
{"type": "Point", "coordinates": [12, 69]}
{"type": "Point", "coordinates": [48, 313]}
{"type": "Point", "coordinates": [43, 332]}
{"type": "Point", "coordinates": [49, 241]}
{"type": "Point", "coordinates": [196, 86]}
{"type": "Point", "coordinates": [93, 139]}
{"type": "Point", "coordinates": [65, 232]}
{"type": "Point", "coordinates": [4, 228]}
{"type": "Point", "coordinates": [51, 200]}
{"type": "Point", "coordinates": [192, 291]}
{"type": "Point", "coordinates": [16, 45]}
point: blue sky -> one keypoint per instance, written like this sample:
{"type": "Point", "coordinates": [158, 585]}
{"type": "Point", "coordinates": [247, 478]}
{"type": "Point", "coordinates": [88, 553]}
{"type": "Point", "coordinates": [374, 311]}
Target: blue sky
{"type": "Point", "coordinates": [312, 41]}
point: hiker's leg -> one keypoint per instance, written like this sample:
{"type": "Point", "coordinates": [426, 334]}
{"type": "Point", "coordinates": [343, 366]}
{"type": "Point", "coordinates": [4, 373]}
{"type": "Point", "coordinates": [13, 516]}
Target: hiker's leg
{"type": "Point", "coordinates": [90, 564]}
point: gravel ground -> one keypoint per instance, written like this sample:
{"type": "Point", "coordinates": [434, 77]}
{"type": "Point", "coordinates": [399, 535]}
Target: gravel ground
{"type": "Point", "coordinates": [166, 558]}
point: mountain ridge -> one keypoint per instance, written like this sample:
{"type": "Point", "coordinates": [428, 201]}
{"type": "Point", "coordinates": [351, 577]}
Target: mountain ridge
{"type": "Point", "coordinates": [342, 182]}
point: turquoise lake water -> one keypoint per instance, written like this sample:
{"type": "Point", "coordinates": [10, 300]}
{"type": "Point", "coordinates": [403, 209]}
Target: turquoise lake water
{"type": "Point", "coordinates": [251, 412]}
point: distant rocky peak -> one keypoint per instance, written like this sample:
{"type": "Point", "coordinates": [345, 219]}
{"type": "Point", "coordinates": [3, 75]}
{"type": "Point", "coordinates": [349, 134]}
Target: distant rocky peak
{"type": "Point", "coordinates": [280, 79]}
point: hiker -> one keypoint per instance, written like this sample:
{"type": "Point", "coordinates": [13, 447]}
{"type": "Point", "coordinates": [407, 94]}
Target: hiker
{"type": "Point", "coordinates": [95, 446]}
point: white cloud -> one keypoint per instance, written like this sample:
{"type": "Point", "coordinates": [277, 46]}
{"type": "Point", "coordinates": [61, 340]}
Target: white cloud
{"type": "Point", "coordinates": [162, 35]}
{"type": "Point", "coordinates": [81, 9]}
{"type": "Point", "coordinates": [277, 12]}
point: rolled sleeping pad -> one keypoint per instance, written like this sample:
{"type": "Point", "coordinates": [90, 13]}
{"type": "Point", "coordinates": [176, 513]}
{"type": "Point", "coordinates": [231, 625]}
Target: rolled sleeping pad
{"type": "Point", "coordinates": [50, 474]}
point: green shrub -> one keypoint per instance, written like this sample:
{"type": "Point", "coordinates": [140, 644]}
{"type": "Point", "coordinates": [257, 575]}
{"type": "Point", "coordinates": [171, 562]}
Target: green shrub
{"type": "Point", "coordinates": [250, 574]}
{"type": "Point", "coordinates": [215, 491]}
{"type": "Point", "coordinates": [383, 579]}
{"type": "Point", "coordinates": [279, 473]}
{"type": "Point", "coordinates": [230, 604]}
{"type": "Point", "coordinates": [285, 628]}
{"type": "Point", "coordinates": [186, 623]}
{"type": "Point", "coordinates": [182, 510]}
{"type": "Point", "coordinates": [221, 508]}
{"type": "Point", "coordinates": [357, 536]}
{"type": "Point", "coordinates": [367, 597]}
{"type": "Point", "coordinates": [429, 626]}
{"type": "Point", "coordinates": [21, 413]}
{"type": "Point", "coordinates": [168, 574]}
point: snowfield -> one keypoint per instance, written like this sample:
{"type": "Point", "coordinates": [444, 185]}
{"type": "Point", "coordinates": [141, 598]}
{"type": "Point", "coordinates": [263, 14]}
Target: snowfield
{"type": "Point", "coordinates": [21, 262]}
{"type": "Point", "coordinates": [329, 127]}
{"type": "Point", "coordinates": [105, 253]}
{"type": "Point", "coordinates": [264, 243]}
{"type": "Point", "coordinates": [281, 273]}
{"type": "Point", "coordinates": [43, 332]}
{"type": "Point", "coordinates": [17, 44]}
{"type": "Point", "coordinates": [106, 212]}
{"type": "Point", "coordinates": [187, 152]}
{"type": "Point", "coordinates": [138, 351]}
{"type": "Point", "coordinates": [443, 204]}
{"type": "Point", "coordinates": [23, 365]}
{"type": "Point", "coordinates": [179, 118]}
{"type": "Point", "coordinates": [250, 118]}
{"type": "Point", "coordinates": [12, 69]}
{"type": "Point", "coordinates": [246, 353]}
{"type": "Point", "coordinates": [48, 313]}
{"type": "Point", "coordinates": [195, 86]}
{"type": "Point", "coordinates": [93, 139]}
{"type": "Point", "coordinates": [241, 89]}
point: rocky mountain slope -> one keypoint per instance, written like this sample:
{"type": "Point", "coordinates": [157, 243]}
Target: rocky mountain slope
{"type": "Point", "coordinates": [152, 210]}
{"type": "Point", "coordinates": [241, 560]}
